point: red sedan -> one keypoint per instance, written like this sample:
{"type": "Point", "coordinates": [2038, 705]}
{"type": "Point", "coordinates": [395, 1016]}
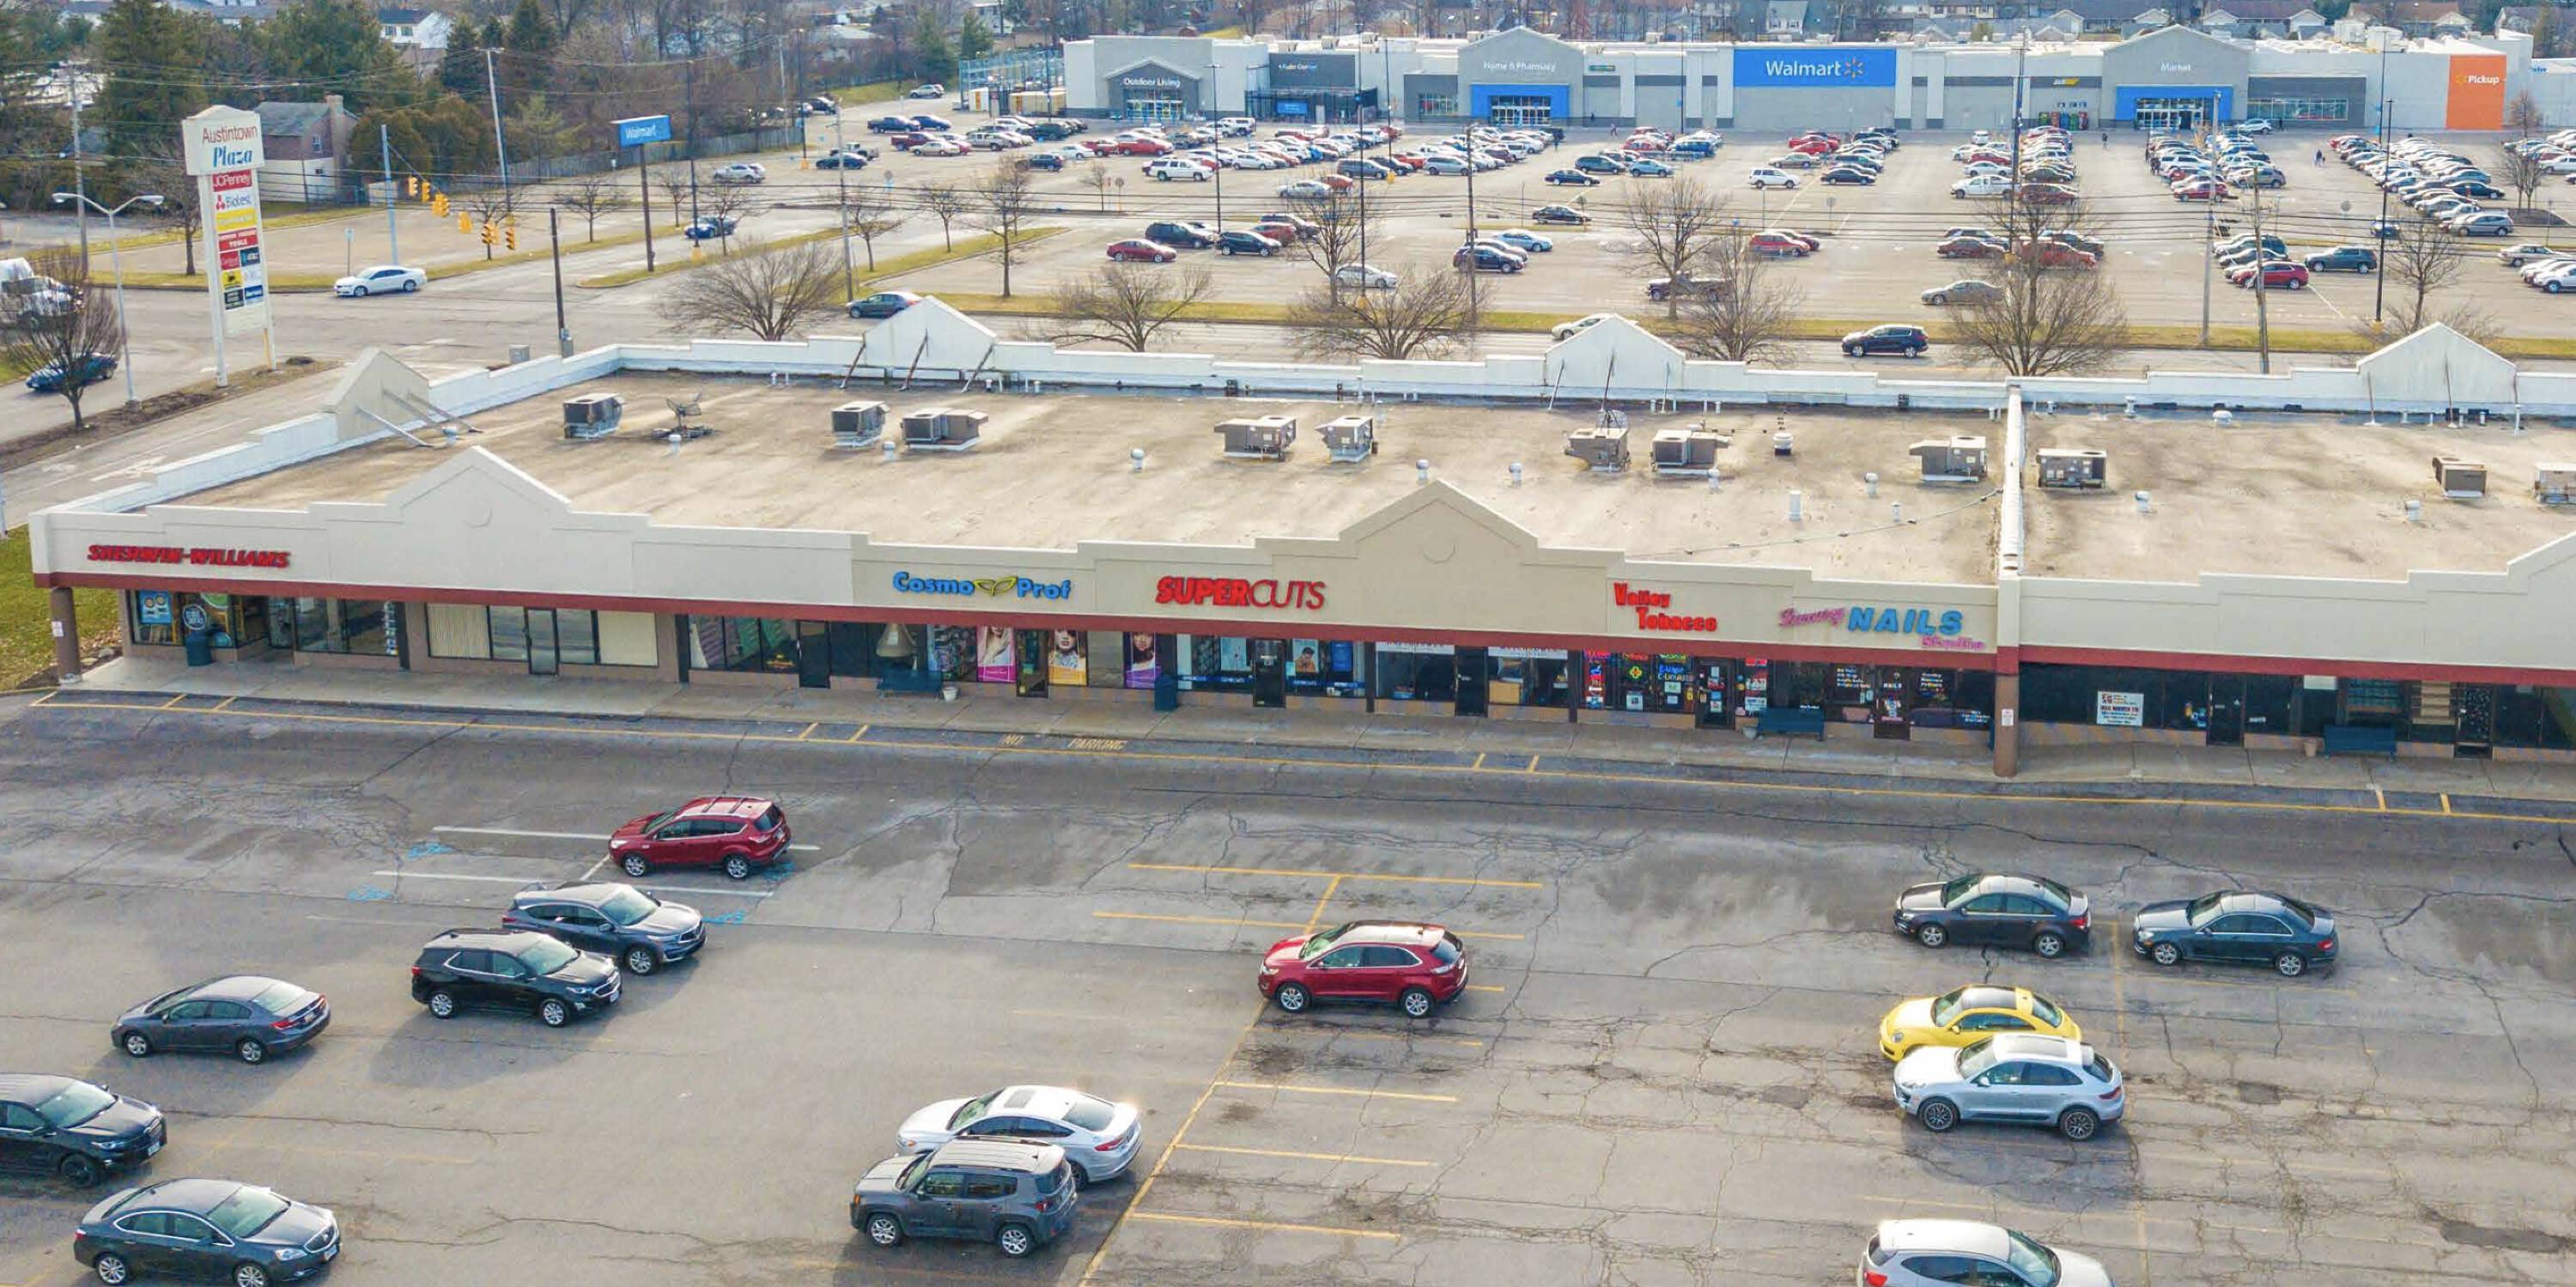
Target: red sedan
{"type": "Point", "coordinates": [1139, 250]}
{"type": "Point", "coordinates": [1969, 248]}
{"type": "Point", "coordinates": [2278, 274]}
{"type": "Point", "coordinates": [1142, 147]}
{"type": "Point", "coordinates": [1780, 244]}
{"type": "Point", "coordinates": [2053, 254]}
{"type": "Point", "coordinates": [1413, 965]}
{"type": "Point", "coordinates": [2201, 190]}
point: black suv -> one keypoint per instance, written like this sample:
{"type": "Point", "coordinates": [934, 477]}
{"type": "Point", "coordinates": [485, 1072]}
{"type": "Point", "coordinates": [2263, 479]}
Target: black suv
{"type": "Point", "coordinates": [1019, 1197]}
{"type": "Point", "coordinates": [511, 970]}
{"type": "Point", "coordinates": [59, 1126]}
{"type": "Point", "coordinates": [1903, 341]}
{"type": "Point", "coordinates": [1179, 236]}
{"type": "Point", "coordinates": [632, 927]}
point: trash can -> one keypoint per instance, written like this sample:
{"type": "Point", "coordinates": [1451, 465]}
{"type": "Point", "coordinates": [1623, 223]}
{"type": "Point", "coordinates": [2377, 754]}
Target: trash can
{"type": "Point", "coordinates": [1167, 690]}
{"type": "Point", "coordinates": [201, 648]}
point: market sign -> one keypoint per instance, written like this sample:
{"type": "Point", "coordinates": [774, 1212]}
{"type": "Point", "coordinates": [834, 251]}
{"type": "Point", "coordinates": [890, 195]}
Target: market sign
{"type": "Point", "coordinates": [1236, 592]}
{"type": "Point", "coordinates": [1018, 587]}
{"type": "Point", "coordinates": [1815, 69]}
{"type": "Point", "coordinates": [196, 556]}
{"type": "Point", "coordinates": [1649, 606]}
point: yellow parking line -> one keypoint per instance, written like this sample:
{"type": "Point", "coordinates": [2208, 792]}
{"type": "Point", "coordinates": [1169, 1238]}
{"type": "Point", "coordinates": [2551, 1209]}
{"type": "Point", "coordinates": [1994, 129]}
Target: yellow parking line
{"type": "Point", "coordinates": [1318, 917]}
{"type": "Point", "coordinates": [1270, 1225]}
{"type": "Point", "coordinates": [1508, 938]}
{"type": "Point", "coordinates": [1486, 987]}
{"type": "Point", "coordinates": [1299, 872]}
{"type": "Point", "coordinates": [222, 704]}
{"type": "Point", "coordinates": [1331, 1033]}
{"type": "Point", "coordinates": [1480, 760]}
{"type": "Point", "coordinates": [1199, 920]}
{"type": "Point", "coordinates": [809, 730]}
{"type": "Point", "coordinates": [1307, 1157]}
{"type": "Point", "coordinates": [1339, 1090]}
{"type": "Point", "coordinates": [863, 732]}
{"type": "Point", "coordinates": [1532, 766]}
{"type": "Point", "coordinates": [174, 701]}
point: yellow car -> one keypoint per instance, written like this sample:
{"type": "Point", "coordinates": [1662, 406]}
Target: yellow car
{"type": "Point", "coordinates": [1964, 1014]}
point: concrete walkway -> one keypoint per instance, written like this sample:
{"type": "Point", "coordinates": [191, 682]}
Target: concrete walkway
{"type": "Point", "coordinates": [2431, 785]}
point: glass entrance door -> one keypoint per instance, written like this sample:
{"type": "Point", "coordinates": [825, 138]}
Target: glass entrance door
{"type": "Point", "coordinates": [2474, 704]}
{"type": "Point", "coordinates": [813, 654]}
{"type": "Point", "coordinates": [1709, 687]}
{"type": "Point", "coordinates": [1892, 712]}
{"type": "Point", "coordinates": [544, 658]}
{"type": "Point", "coordinates": [1270, 672]}
{"type": "Point", "coordinates": [2227, 710]}
{"type": "Point", "coordinates": [1029, 671]}
{"type": "Point", "coordinates": [1474, 672]}
{"type": "Point", "coordinates": [1510, 111]}
{"type": "Point", "coordinates": [1156, 109]}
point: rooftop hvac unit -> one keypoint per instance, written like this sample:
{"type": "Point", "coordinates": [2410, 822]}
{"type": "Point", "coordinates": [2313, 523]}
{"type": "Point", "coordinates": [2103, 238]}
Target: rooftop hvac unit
{"type": "Point", "coordinates": [1687, 453]}
{"type": "Point", "coordinates": [1951, 460]}
{"type": "Point", "coordinates": [1351, 438]}
{"type": "Point", "coordinates": [1602, 447]}
{"type": "Point", "coordinates": [592, 415]}
{"type": "Point", "coordinates": [2073, 467]}
{"type": "Point", "coordinates": [2460, 479]}
{"type": "Point", "coordinates": [942, 429]}
{"type": "Point", "coordinates": [1258, 437]}
{"type": "Point", "coordinates": [858, 424]}
{"type": "Point", "coordinates": [2554, 484]}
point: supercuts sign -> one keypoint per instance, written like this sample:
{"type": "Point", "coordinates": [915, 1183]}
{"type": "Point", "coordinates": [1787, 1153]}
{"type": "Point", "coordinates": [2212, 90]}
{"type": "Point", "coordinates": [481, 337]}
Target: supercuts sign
{"type": "Point", "coordinates": [1236, 592]}
{"type": "Point", "coordinates": [192, 556]}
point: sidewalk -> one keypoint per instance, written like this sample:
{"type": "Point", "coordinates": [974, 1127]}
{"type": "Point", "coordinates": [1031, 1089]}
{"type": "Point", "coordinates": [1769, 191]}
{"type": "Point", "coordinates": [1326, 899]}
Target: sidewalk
{"type": "Point", "coordinates": [2131, 771]}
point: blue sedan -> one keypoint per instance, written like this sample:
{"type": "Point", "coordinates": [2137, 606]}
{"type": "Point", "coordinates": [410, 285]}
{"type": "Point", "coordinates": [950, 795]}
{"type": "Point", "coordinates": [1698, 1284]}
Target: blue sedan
{"type": "Point", "coordinates": [91, 368]}
{"type": "Point", "coordinates": [1524, 239]}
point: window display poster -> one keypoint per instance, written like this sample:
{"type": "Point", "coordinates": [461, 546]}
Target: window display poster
{"type": "Point", "coordinates": [152, 606]}
{"type": "Point", "coordinates": [1306, 660]}
{"type": "Point", "coordinates": [1066, 661]}
{"type": "Point", "coordinates": [1596, 680]}
{"type": "Point", "coordinates": [996, 654]}
{"type": "Point", "coordinates": [2121, 710]}
{"type": "Point", "coordinates": [1672, 682]}
{"type": "Point", "coordinates": [1143, 664]}
{"type": "Point", "coordinates": [1342, 658]}
{"type": "Point", "coordinates": [1757, 687]}
{"type": "Point", "coordinates": [1234, 655]}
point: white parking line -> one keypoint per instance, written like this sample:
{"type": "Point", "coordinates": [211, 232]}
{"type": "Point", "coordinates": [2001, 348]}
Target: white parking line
{"type": "Point", "coordinates": [540, 880]}
{"type": "Point", "coordinates": [556, 835]}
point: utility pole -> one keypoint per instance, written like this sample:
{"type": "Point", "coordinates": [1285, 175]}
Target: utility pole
{"type": "Point", "coordinates": [80, 187]}
{"type": "Point", "coordinates": [393, 236]}
{"type": "Point", "coordinates": [689, 104]}
{"type": "Point", "coordinates": [2208, 259]}
{"type": "Point", "coordinates": [2262, 270]}
{"type": "Point", "coordinates": [2379, 288]}
{"type": "Point", "coordinates": [554, 235]}
{"type": "Point", "coordinates": [492, 82]}
{"type": "Point", "coordinates": [841, 175]}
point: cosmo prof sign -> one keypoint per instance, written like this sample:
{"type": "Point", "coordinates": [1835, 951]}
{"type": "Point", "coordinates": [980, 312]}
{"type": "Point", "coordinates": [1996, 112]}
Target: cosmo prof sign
{"type": "Point", "coordinates": [1794, 68]}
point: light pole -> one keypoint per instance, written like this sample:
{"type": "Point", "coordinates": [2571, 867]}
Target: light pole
{"type": "Point", "coordinates": [2379, 288]}
{"type": "Point", "coordinates": [124, 333]}
{"type": "Point", "coordinates": [1214, 161]}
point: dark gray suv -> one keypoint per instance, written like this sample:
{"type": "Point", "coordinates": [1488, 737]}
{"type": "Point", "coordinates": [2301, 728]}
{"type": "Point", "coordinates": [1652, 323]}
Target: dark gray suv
{"type": "Point", "coordinates": [1019, 1197]}
{"type": "Point", "coordinates": [624, 923]}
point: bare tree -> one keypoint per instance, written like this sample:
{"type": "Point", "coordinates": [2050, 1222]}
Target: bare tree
{"type": "Point", "coordinates": [2521, 171]}
{"type": "Point", "coordinates": [1428, 314]}
{"type": "Point", "coordinates": [870, 214]}
{"type": "Point", "coordinates": [590, 196]}
{"type": "Point", "coordinates": [1742, 308]}
{"type": "Point", "coordinates": [679, 192]}
{"type": "Point", "coordinates": [1002, 207]}
{"type": "Point", "coordinates": [1100, 180]}
{"type": "Point", "coordinates": [1127, 304]}
{"type": "Point", "coordinates": [1343, 228]}
{"type": "Point", "coordinates": [1673, 225]}
{"type": "Point", "coordinates": [69, 327]}
{"type": "Point", "coordinates": [944, 201]}
{"type": "Point", "coordinates": [728, 204]}
{"type": "Point", "coordinates": [2053, 313]}
{"type": "Point", "coordinates": [2419, 261]}
{"type": "Point", "coordinates": [770, 293]}
{"type": "Point", "coordinates": [162, 172]}
{"type": "Point", "coordinates": [490, 207]}
{"type": "Point", "coordinates": [2523, 115]}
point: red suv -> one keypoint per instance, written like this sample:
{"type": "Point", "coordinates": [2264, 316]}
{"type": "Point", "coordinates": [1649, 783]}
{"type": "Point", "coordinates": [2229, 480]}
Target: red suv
{"type": "Point", "coordinates": [1414, 965]}
{"type": "Point", "coordinates": [734, 832]}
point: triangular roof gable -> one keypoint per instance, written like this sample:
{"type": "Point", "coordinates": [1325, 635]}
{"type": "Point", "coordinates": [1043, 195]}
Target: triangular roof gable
{"type": "Point", "coordinates": [1524, 43]}
{"type": "Point", "coordinates": [2197, 40]}
{"type": "Point", "coordinates": [2439, 365]}
{"type": "Point", "coordinates": [1616, 353]}
{"type": "Point", "coordinates": [929, 335]}
{"type": "Point", "coordinates": [1155, 62]}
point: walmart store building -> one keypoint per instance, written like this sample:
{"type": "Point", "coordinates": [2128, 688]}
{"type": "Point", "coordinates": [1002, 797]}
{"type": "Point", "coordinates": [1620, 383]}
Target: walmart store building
{"type": "Point", "coordinates": [2173, 77]}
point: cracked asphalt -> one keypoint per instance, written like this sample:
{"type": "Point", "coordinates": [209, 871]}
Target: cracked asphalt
{"type": "Point", "coordinates": [1666, 1073]}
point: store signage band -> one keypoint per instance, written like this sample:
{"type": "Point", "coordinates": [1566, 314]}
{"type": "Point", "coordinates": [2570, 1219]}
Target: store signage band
{"type": "Point", "coordinates": [1018, 587]}
{"type": "Point", "coordinates": [1649, 606]}
{"type": "Point", "coordinates": [1819, 69]}
{"type": "Point", "coordinates": [1237, 592]}
{"type": "Point", "coordinates": [1931, 627]}
{"type": "Point", "coordinates": [197, 556]}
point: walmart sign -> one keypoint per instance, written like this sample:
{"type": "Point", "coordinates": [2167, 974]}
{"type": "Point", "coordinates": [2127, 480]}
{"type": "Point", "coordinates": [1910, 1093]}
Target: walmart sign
{"type": "Point", "coordinates": [1815, 68]}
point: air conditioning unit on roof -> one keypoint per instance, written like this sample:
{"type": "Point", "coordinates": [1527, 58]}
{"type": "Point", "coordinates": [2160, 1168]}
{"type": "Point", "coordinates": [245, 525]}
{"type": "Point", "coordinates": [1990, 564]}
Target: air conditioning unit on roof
{"type": "Point", "coordinates": [1959, 459]}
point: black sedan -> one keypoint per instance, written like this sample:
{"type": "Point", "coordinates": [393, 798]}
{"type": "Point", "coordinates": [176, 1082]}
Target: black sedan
{"type": "Point", "coordinates": [1848, 174]}
{"type": "Point", "coordinates": [220, 1229]}
{"type": "Point", "coordinates": [1559, 214]}
{"type": "Point", "coordinates": [2244, 928]}
{"type": "Point", "coordinates": [1997, 911]}
{"type": "Point", "coordinates": [245, 1014]}
{"type": "Point", "coordinates": [1572, 179]}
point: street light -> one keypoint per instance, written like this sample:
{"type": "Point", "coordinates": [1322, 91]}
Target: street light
{"type": "Point", "coordinates": [124, 333]}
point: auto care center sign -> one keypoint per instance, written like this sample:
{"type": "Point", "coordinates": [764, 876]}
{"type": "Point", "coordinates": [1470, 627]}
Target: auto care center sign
{"type": "Point", "coordinates": [224, 151]}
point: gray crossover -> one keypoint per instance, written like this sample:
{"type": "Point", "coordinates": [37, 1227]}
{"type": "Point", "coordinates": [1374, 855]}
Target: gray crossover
{"type": "Point", "coordinates": [2028, 1078]}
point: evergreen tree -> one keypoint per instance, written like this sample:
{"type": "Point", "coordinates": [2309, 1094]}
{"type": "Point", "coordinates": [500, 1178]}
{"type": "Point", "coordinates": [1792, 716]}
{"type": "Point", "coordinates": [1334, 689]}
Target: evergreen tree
{"type": "Point", "coordinates": [334, 46]}
{"type": "Point", "coordinates": [460, 69]}
{"type": "Point", "coordinates": [974, 39]}
{"type": "Point", "coordinates": [142, 49]}
{"type": "Point", "coordinates": [930, 47]}
{"type": "Point", "coordinates": [530, 41]}
{"type": "Point", "coordinates": [2545, 35]}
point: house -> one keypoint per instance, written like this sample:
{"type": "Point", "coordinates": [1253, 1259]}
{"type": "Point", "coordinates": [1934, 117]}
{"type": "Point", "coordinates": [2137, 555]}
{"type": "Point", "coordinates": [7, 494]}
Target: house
{"type": "Point", "coordinates": [304, 146]}
{"type": "Point", "coordinates": [1784, 19]}
{"type": "Point", "coordinates": [2417, 18]}
{"type": "Point", "coordinates": [2254, 19]}
{"type": "Point", "coordinates": [2061, 25]}
{"type": "Point", "coordinates": [2127, 17]}
{"type": "Point", "coordinates": [231, 13]}
{"type": "Point", "coordinates": [419, 35]}
{"type": "Point", "coordinates": [2523, 18]}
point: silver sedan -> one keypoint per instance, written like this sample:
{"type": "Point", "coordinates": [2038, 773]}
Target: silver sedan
{"type": "Point", "coordinates": [1098, 1136]}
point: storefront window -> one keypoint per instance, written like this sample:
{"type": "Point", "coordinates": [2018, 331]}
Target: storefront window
{"type": "Point", "coordinates": [758, 644]}
{"type": "Point", "coordinates": [167, 617]}
{"type": "Point", "coordinates": [509, 634]}
{"type": "Point", "coordinates": [1328, 667]}
{"type": "Point", "coordinates": [2532, 715]}
{"type": "Point", "coordinates": [2380, 703]}
{"type": "Point", "coordinates": [1850, 692]}
{"type": "Point", "coordinates": [329, 625]}
{"type": "Point", "coordinates": [2294, 110]}
{"type": "Point", "coordinates": [1430, 105]}
{"type": "Point", "coordinates": [1417, 672]}
{"type": "Point", "coordinates": [1530, 677]}
{"type": "Point", "coordinates": [1144, 661]}
{"type": "Point", "coordinates": [1219, 663]}
{"type": "Point", "coordinates": [2267, 703]}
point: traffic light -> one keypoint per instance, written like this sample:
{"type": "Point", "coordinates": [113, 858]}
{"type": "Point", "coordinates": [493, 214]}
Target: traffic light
{"type": "Point", "coordinates": [512, 235]}
{"type": "Point", "coordinates": [411, 187]}
{"type": "Point", "coordinates": [438, 204]}
{"type": "Point", "coordinates": [464, 222]}
{"type": "Point", "coordinates": [487, 233]}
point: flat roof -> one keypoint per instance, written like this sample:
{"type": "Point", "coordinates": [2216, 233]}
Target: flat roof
{"type": "Point", "coordinates": [1053, 470]}
{"type": "Point", "coordinates": [2288, 493]}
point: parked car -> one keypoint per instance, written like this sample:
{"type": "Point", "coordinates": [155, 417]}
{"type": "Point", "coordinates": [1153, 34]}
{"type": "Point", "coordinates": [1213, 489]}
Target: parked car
{"type": "Point", "coordinates": [2254, 125]}
{"type": "Point", "coordinates": [2478, 189]}
{"type": "Point", "coordinates": [2344, 259]}
{"type": "Point", "coordinates": [1648, 168]}
{"type": "Point", "coordinates": [52, 1125]}
{"type": "Point", "coordinates": [86, 370]}
{"type": "Point", "coordinates": [1971, 1013]}
{"type": "Point", "coordinates": [625, 924]}
{"type": "Point", "coordinates": [1571, 179]}
{"type": "Point", "coordinates": [2056, 254]}
{"type": "Point", "coordinates": [383, 279]}
{"type": "Point", "coordinates": [1522, 239]}
{"type": "Point", "coordinates": [2049, 194]}
{"type": "Point", "coordinates": [1939, 1253]}
{"type": "Point", "coordinates": [710, 227]}
{"type": "Point", "coordinates": [1768, 177]}
{"type": "Point", "coordinates": [1236, 241]}
{"type": "Point", "coordinates": [2278, 274]}
{"type": "Point", "coordinates": [1997, 910]}
{"type": "Point", "coordinates": [202, 1228]}
{"type": "Point", "coordinates": [1414, 965]}
{"type": "Point", "coordinates": [2027, 1078]}
{"type": "Point", "coordinates": [890, 125]}
{"type": "Point", "coordinates": [1099, 1137]}
{"type": "Point", "coordinates": [1844, 174]}
{"type": "Point", "coordinates": [932, 90]}
{"type": "Point", "coordinates": [1139, 250]}
{"type": "Point", "coordinates": [1779, 244]}
{"type": "Point", "coordinates": [1793, 161]}
{"type": "Point", "coordinates": [739, 173]}
{"type": "Point", "coordinates": [520, 970]}
{"type": "Point", "coordinates": [885, 303]}
{"type": "Point", "coordinates": [1600, 163]}
{"type": "Point", "coordinates": [2201, 190]}
{"type": "Point", "coordinates": [1365, 277]}
{"type": "Point", "coordinates": [1042, 161]}
{"type": "Point", "coordinates": [1970, 248]}
{"type": "Point", "coordinates": [2240, 927]}
{"type": "Point", "coordinates": [1170, 168]}
{"type": "Point", "coordinates": [1306, 190]}
{"type": "Point", "coordinates": [842, 159]}
{"type": "Point", "coordinates": [1981, 185]}
{"type": "Point", "coordinates": [1019, 1197]}
{"type": "Point", "coordinates": [248, 1016]}
{"type": "Point", "coordinates": [2517, 256]}
{"type": "Point", "coordinates": [1686, 286]}
{"type": "Point", "coordinates": [2485, 223]}
{"type": "Point", "coordinates": [1970, 291]}
{"type": "Point", "coordinates": [1903, 341]}
{"type": "Point", "coordinates": [1487, 259]}
{"type": "Point", "coordinates": [931, 124]}
{"type": "Point", "coordinates": [1553, 214]}
{"type": "Point", "coordinates": [731, 832]}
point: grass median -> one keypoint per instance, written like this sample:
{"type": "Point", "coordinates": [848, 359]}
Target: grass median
{"type": "Point", "coordinates": [891, 265]}
{"type": "Point", "coordinates": [26, 620]}
{"type": "Point", "coordinates": [284, 283]}
{"type": "Point", "coordinates": [883, 91]}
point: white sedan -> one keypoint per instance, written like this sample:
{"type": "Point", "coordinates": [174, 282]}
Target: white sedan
{"type": "Point", "coordinates": [1097, 1136]}
{"type": "Point", "coordinates": [1365, 277]}
{"type": "Point", "coordinates": [383, 279]}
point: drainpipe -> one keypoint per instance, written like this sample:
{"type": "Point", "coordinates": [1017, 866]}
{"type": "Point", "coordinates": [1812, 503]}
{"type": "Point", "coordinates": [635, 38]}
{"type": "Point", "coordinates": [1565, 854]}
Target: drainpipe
{"type": "Point", "coordinates": [2008, 559]}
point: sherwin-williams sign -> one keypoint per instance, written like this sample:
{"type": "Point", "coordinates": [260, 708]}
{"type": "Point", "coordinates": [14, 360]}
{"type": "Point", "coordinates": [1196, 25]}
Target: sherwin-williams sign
{"type": "Point", "coordinates": [1815, 68]}
{"type": "Point", "coordinates": [2477, 92]}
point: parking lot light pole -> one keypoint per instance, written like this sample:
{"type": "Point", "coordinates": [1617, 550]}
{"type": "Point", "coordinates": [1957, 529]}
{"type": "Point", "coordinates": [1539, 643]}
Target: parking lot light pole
{"type": "Point", "coordinates": [124, 333]}
{"type": "Point", "coordinates": [2379, 289]}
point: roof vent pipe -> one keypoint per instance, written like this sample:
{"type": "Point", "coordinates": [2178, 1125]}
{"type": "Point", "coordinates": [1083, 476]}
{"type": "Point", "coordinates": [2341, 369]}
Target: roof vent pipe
{"type": "Point", "coordinates": [2145, 504]}
{"type": "Point", "coordinates": [1797, 506]}
{"type": "Point", "coordinates": [1871, 479]}
{"type": "Point", "coordinates": [1136, 459]}
{"type": "Point", "coordinates": [2414, 511]}
{"type": "Point", "coordinates": [1516, 473]}
{"type": "Point", "coordinates": [1896, 512]}
{"type": "Point", "coordinates": [1422, 471]}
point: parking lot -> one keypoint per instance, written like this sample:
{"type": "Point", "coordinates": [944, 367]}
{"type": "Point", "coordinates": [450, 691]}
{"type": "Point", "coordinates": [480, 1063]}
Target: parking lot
{"type": "Point", "coordinates": [1663, 1071]}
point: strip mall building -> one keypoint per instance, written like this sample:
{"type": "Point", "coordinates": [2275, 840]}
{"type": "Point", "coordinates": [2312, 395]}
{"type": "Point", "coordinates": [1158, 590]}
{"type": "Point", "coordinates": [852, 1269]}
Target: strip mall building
{"type": "Point", "coordinates": [1871, 557]}
{"type": "Point", "coordinates": [2176, 76]}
